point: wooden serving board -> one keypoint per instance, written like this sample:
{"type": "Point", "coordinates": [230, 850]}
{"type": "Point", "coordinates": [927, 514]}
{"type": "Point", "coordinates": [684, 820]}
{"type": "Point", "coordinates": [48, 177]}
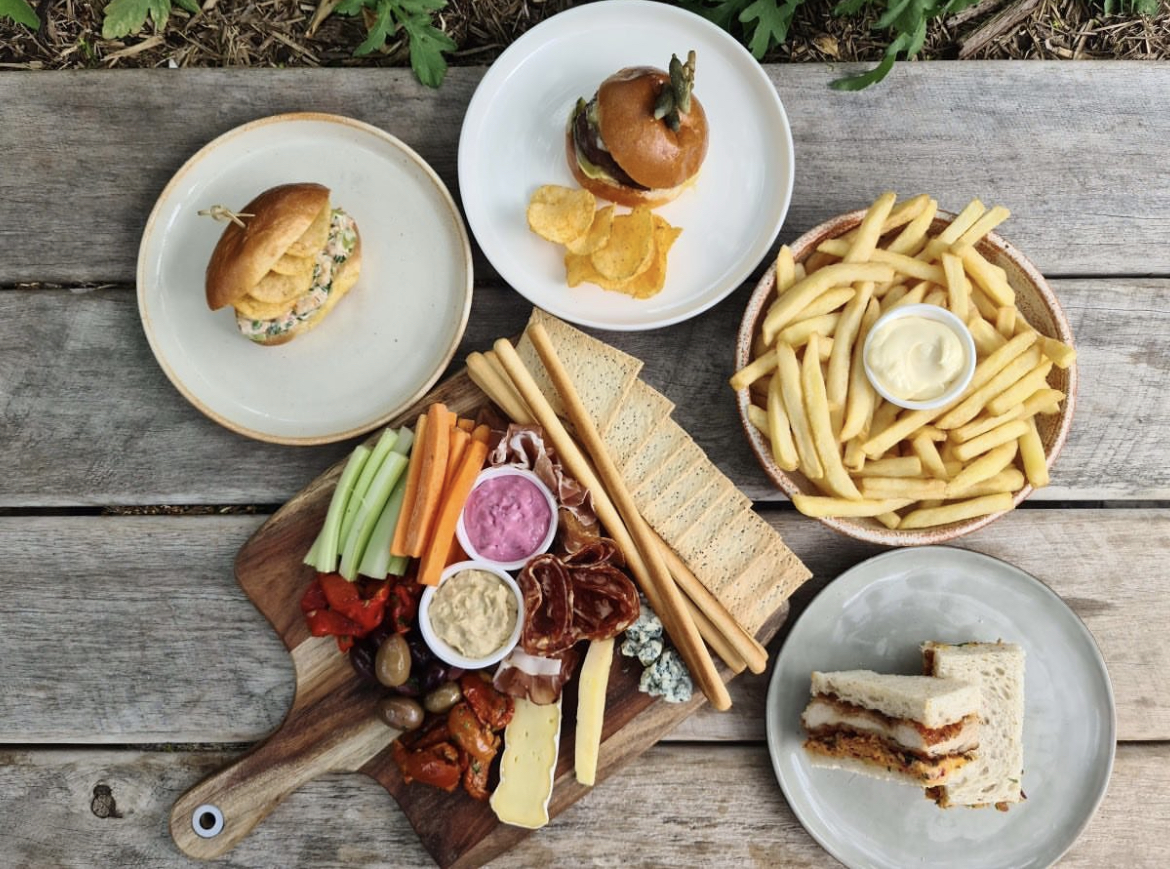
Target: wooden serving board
{"type": "Point", "coordinates": [332, 726]}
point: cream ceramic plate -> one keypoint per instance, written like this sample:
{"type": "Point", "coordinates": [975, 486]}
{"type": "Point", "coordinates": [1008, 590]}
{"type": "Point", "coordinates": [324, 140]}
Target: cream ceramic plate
{"type": "Point", "coordinates": [874, 617]}
{"type": "Point", "coordinates": [384, 344]}
{"type": "Point", "coordinates": [513, 141]}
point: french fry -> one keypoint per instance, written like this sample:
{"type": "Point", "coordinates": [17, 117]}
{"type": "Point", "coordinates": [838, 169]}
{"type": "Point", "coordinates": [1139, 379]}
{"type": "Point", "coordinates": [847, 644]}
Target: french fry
{"type": "Point", "coordinates": [894, 295]}
{"type": "Point", "coordinates": [1042, 401]}
{"type": "Point", "coordinates": [911, 297]}
{"type": "Point", "coordinates": [759, 367]}
{"type": "Point", "coordinates": [758, 417]}
{"type": "Point", "coordinates": [927, 454]}
{"type": "Point", "coordinates": [911, 239]}
{"type": "Point", "coordinates": [984, 424]}
{"type": "Point", "coordinates": [900, 215]}
{"type": "Point", "coordinates": [860, 397]}
{"type": "Point", "coordinates": [779, 431]}
{"type": "Point", "coordinates": [854, 459]}
{"type": "Point", "coordinates": [803, 292]}
{"type": "Point", "coordinates": [985, 224]}
{"type": "Point", "coordinates": [798, 333]}
{"type": "Point", "coordinates": [788, 370]}
{"type": "Point", "coordinates": [987, 340]}
{"type": "Point", "coordinates": [824, 507]}
{"type": "Point", "coordinates": [1032, 455]}
{"type": "Point", "coordinates": [904, 466]}
{"type": "Point", "coordinates": [1062, 355]}
{"type": "Point", "coordinates": [910, 266]}
{"type": "Point", "coordinates": [890, 520]}
{"type": "Point", "coordinates": [973, 400]}
{"type": "Point", "coordinates": [817, 407]}
{"type": "Point", "coordinates": [1034, 380]}
{"type": "Point", "coordinates": [937, 297]}
{"type": "Point", "coordinates": [1005, 321]}
{"type": "Point", "coordinates": [958, 300]}
{"type": "Point", "coordinates": [987, 441]}
{"type": "Point", "coordinates": [935, 434]}
{"type": "Point", "coordinates": [837, 376]}
{"type": "Point", "coordinates": [988, 309]}
{"type": "Point", "coordinates": [963, 221]}
{"type": "Point", "coordinates": [1008, 480]}
{"type": "Point", "coordinates": [826, 303]}
{"type": "Point", "coordinates": [987, 465]}
{"type": "Point", "coordinates": [991, 279]}
{"type": "Point", "coordinates": [957, 511]}
{"type": "Point", "coordinates": [870, 230]}
{"type": "Point", "coordinates": [914, 488]}
{"type": "Point", "coordinates": [785, 270]}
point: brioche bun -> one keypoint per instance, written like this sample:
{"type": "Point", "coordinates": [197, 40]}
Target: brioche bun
{"type": "Point", "coordinates": [622, 194]}
{"type": "Point", "coordinates": [647, 149]}
{"type": "Point", "coordinates": [266, 269]}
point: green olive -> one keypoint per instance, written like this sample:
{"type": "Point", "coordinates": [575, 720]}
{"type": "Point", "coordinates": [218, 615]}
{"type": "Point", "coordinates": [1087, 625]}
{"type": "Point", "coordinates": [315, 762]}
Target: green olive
{"type": "Point", "coordinates": [443, 697]}
{"type": "Point", "coordinates": [401, 713]}
{"type": "Point", "coordinates": [392, 664]}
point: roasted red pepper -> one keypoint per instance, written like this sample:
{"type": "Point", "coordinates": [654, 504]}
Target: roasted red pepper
{"type": "Point", "coordinates": [362, 605]}
{"type": "Point", "coordinates": [470, 734]}
{"type": "Point", "coordinates": [437, 766]}
{"type": "Point", "coordinates": [314, 598]}
{"type": "Point", "coordinates": [489, 705]}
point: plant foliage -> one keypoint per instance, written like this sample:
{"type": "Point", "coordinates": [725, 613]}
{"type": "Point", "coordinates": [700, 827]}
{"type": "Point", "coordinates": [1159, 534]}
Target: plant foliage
{"type": "Point", "coordinates": [416, 19]}
{"type": "Point", "coordinates": [20, 12]}
{"type": "Point", "coordinates": [1131, 7]}
{"type": "Point", "coordinates": [764, 23]}
{"type": "Point", "coordinates": [125, 17]}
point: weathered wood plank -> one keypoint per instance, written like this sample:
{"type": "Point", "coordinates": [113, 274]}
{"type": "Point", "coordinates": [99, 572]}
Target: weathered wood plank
{"type": "Point", "coordinates": [1089, 197]}
{"type": "Point", "coordinates": [676, 805]}
{"type": "Point", "coordinates": [129, 630]}
{"type": "Point", "coordinates": [88, 418]}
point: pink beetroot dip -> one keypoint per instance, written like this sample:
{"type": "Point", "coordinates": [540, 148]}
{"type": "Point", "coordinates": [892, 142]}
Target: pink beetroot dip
{"type": "Point", "coordinates": [506, 518]}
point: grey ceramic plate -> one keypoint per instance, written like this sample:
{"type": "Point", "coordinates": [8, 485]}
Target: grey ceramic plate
{"type": "Point", "coordinates": [874, 616]}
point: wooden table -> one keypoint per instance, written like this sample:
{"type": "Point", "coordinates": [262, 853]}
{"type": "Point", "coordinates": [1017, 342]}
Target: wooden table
{"type": "Point", "coordinates": [130, 663]}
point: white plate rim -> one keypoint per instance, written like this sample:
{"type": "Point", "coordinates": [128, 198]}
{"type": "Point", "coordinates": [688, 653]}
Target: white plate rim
{"type": "Point", "coordinates": [214, 145]}
{"type": "Point", "coordinates": [512, 58]}
{"type": "Point", "coordinates": [855, 576]}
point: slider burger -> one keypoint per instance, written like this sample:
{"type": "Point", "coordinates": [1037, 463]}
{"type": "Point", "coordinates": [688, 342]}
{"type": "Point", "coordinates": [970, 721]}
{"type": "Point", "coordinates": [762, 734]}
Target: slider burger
{"type": "Point", "coordinates": [643, 136]}
{"type": "Point", "coordinates": [284, 262]}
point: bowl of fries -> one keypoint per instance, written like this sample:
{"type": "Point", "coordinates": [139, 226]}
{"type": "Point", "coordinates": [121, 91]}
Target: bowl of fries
{"type": "Point", "coordinates": [863, 465]}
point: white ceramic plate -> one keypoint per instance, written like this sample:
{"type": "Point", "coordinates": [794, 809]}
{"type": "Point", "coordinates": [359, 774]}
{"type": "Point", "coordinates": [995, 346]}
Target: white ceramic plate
{"type": "Point", "coordinates": [383, 345]}
{"type": "Point", "coordinates": [513, 141]}
{"type": "Point", "coordinates": [874, 617]}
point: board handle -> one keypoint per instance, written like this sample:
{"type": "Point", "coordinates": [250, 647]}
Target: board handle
{"type": "Point", "coordinates": [215, 815]}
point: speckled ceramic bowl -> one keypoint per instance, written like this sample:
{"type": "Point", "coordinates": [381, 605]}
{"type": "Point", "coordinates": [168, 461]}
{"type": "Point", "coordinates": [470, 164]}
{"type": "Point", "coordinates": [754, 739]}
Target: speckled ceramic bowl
{"type": "Point", "coordinates": [1036, 302]}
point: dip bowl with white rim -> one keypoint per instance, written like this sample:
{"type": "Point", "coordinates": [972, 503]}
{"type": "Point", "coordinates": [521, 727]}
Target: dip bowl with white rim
{"type": "Point", "coordinates": [957, 383]}
{"type": "Point", "coordinates": [499, 521]}
{"type": "Point", "coordinates": [457, 612]}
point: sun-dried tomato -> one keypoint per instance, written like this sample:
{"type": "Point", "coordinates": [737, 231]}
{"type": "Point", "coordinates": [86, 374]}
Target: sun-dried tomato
{"type": "Point", "coordinates": [437, 766]}
{"type": "Point", "coordinates": [489, 705]}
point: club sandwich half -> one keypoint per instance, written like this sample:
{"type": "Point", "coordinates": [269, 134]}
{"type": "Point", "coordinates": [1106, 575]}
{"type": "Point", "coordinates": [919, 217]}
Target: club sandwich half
{"type": "Point", "coordinates": [918, 730]}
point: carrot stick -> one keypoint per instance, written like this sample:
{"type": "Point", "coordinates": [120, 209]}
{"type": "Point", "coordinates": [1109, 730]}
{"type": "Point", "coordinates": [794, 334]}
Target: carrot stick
{"type": "Point", "coordinates": [459, 441]}
{"type": "Point", "coordinates": [397, 546]}
{"type": "Point", "coordinates": [466, 424]}
{"type": "Point", "coordinates": [459, 487]}
{"type": "Point", "coordinates": [431, 477]}
{"type": "Point", "coordinates": [482, 434]}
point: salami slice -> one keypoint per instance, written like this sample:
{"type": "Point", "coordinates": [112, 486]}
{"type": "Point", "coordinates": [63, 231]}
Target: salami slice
{"type": "Point", "coordinates": [548, 606]}
{"type": "Point", "coordinates": [605, 602]}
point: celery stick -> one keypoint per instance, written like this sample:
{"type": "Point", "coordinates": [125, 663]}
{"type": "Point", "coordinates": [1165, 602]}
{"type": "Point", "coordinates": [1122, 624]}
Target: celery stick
{"type": "Point", "coordinates": [328, 540]}
{"type": "Point", "coordinates": [405, 441]}
{"type": "Point", "coordinates": [368, 512]}
{"type": "Point", "coordinates": [376, 559]}
{"type": "Point", "coordinates": [381, 450]}
{"type": "Point", "coordinates": [398, 565]}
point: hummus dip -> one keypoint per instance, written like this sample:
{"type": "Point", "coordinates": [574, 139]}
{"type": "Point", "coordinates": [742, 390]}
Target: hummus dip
{"type": "Point", "coordinates": [474, 612]}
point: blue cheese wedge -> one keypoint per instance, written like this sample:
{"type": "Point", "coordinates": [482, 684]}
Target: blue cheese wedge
{"type": "Point", "coordinates": [531, 742]}
{"type": "Point", "coordinates": [667, 678]}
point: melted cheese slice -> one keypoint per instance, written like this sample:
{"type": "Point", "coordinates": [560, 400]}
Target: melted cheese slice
{"type": "Point", "coordinates": [531, 741]}
{"type": "Point", "coordinates": [591, 708]}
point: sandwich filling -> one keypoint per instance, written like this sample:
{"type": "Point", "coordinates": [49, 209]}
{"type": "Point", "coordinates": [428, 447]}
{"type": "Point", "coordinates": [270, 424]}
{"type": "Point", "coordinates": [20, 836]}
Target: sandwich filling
{"type": "Point", "coordinates": [592, 155]}
{"type": "Point", "coordinates": [340, 247]}
{"type": "Point", "coordinates": [827, 715]}
{"type": "Point", "coordinates": [875, 751]}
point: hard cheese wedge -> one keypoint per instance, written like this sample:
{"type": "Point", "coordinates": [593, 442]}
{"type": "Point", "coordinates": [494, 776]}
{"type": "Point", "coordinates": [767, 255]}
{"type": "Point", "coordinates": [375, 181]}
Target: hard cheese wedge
{"type": "Point", "coordinates": [591, 708]}
{"type": "Point", "coordinates": [531, 742]}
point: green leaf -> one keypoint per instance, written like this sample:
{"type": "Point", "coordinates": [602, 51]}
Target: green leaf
{"type": "Point", "coordinates": [353, 7]}
{"type": "Point", "coordinates": [190, 5]}
{"type": "Point", "coordinates": [865, 79]}
{"type": "Point", "coordinates": [771, 26]}
{"type": "Point", "coordinates": [415, 8]}
{"type": "Point", "coordinates": [20, 12]}
{"type": "Point", "coordinates": [891, 14]}
{"type": "Point", "coordinates": [849, 7]}
{"type": "Point", "coordinates": [719, 12]}
{"type": "Point", "coordinates": [427, 44]}
{"type": "Point", "coordinates": [382, 27]}
{"type": "Point", "coordinates": [124, 17]}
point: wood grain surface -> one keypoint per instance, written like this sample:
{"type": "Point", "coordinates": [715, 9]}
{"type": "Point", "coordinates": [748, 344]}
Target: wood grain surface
{"type": "Point", "coordinates": [674, 806]}
{"type": "Point", "coordinates": [134, 665]}
{"type": "Point", "coordinates": [90, 419]}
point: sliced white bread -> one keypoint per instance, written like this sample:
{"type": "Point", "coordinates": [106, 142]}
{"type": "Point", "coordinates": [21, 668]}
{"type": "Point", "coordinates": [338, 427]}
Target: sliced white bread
{"type": "Point", "coordinates": [931, 702]}
{"type": "Point", "coordinates": [994, 777]}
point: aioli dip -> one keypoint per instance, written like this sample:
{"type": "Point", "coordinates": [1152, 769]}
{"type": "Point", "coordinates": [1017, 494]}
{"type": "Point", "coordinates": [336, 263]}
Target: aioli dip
{"type": "Point", "coordinates": [474, 612]}
{"type": "Point", "coordinates": [506, 518]}
{"type": "Point", "coordinates": [915, 358]}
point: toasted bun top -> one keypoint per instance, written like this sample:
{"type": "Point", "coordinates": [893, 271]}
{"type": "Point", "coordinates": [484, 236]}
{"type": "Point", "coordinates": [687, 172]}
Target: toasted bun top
{"type": "Point", "coordinates": [645, 147]}
{"type": "Point", "coordinates": [243, 256]}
